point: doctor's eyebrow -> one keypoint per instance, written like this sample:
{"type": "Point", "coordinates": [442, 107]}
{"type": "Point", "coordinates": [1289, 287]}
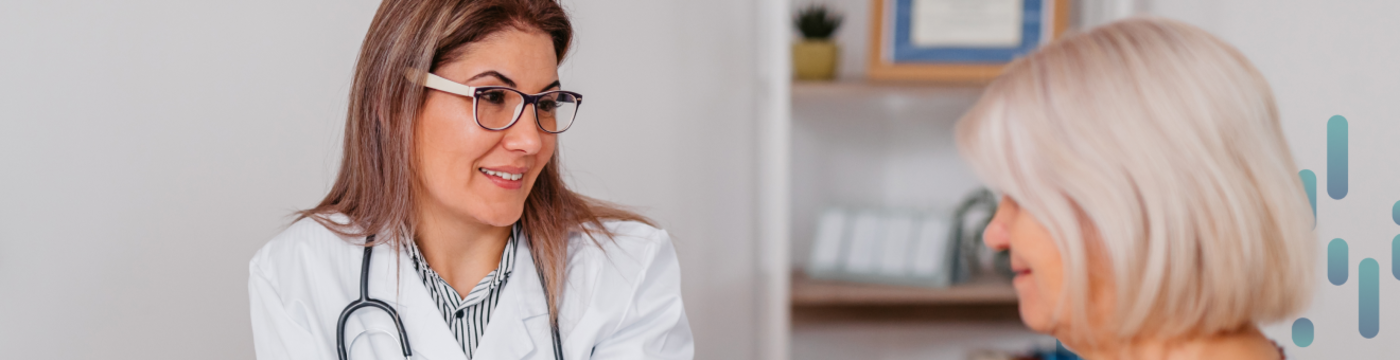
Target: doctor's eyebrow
{"type": "Point", "coordinates": [508, 81]}
{"type": "Point", "coordinates": [552, 85]}
{"type": "Point", "coordinates": [495, 74]}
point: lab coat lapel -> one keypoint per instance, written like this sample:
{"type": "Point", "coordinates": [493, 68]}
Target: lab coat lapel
{"type": "Point", "coordinates": [520, 325]}
{"type": "Point", "coordinates": [428, 334]}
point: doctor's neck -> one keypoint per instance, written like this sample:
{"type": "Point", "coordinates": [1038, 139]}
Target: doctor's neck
{"type": "Point", "coordinates": [461, 249]}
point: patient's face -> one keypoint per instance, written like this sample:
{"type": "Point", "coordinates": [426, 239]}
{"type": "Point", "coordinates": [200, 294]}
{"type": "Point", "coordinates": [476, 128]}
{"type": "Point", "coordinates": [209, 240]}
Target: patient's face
{"type": "Point", "coordinates": [1034, 258]}
{"type": "Point", "coordinates": [1040, 270]}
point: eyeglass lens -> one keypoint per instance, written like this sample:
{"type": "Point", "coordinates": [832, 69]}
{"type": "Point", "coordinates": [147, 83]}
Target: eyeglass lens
{"type": "Point", "coordinates": [497, 108]}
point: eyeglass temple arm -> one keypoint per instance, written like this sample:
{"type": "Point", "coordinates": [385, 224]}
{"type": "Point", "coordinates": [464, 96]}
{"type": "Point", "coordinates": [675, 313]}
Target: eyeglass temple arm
{"type": "Point", "coordinates": [432, 81]}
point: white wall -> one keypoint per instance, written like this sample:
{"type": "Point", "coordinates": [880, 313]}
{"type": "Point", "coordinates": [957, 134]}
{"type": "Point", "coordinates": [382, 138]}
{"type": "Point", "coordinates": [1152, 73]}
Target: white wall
{"type": "Point", "coordinates": [150, 147]}
{"type": "Point", "coordinates": [1324, 59]}
{"type": "Point", "coordinates": [670, 129]}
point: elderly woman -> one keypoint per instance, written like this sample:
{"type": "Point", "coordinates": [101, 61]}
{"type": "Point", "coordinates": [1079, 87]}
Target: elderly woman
{"type": "Point", "coordinates": [1151, 206]}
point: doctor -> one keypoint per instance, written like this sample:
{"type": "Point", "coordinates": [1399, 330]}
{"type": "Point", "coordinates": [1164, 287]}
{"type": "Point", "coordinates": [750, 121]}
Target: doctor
{"type": "Point", "coordinates": [450, 225]}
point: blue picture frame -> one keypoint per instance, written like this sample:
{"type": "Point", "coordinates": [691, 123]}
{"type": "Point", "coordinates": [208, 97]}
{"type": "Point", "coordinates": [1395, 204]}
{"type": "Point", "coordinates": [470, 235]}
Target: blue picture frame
{"type": "Point", "coordinates": [904, 51]}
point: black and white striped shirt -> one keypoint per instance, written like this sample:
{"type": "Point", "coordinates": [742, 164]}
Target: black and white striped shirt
{"type": "Point", "coordinates": [467, 316]}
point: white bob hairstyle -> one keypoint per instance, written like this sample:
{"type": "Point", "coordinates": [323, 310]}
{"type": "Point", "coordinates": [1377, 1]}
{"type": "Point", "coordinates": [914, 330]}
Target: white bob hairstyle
{"type": "Point", "coordinates": [1166, 141]}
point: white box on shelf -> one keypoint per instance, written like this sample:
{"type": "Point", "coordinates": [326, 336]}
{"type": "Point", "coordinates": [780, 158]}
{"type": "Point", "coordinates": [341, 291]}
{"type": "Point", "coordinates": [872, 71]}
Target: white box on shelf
{"type": "Point", "coordinates": [864, 243]}
{"type": "Point", "coordinates": [882, 246]}
{"type": "Point", "coordinates": [899, 233]}
{"type": "Point", "coordinates": [828, 246]}
{"type": "Point", "coordinates": [932, 251]}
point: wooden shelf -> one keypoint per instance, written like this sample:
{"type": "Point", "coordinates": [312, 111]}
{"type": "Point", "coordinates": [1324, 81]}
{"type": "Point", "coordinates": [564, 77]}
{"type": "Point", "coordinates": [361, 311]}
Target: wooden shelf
{"type": "Point", "coordinates": [810, 292]}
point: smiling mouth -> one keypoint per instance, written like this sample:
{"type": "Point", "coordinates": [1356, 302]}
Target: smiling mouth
{"type": "Point", "coordinates": [501, 174]}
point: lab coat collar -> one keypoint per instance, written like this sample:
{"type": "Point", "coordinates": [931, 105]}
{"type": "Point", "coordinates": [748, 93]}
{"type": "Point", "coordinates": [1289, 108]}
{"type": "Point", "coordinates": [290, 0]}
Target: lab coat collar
{"type": "Point", "coordinates": [428, 334]}
{"type": "Point", "coordinates": [520, 320]}
{"type": "Point", "coordinates": [522, 316]}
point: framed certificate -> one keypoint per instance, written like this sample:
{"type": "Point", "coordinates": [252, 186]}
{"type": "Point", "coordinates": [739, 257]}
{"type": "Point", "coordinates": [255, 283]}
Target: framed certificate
{"type": "Point", "coordinates": [958, 40]}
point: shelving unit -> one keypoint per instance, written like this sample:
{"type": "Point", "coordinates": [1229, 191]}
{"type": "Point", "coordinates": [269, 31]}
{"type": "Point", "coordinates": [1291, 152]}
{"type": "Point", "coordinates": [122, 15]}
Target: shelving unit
{"type": "Point", "coordinates": [873, 145]}
{"type": "Point", "coordinates": [810, 292]}
{"type": "Point", "coordinates": [859, 144]}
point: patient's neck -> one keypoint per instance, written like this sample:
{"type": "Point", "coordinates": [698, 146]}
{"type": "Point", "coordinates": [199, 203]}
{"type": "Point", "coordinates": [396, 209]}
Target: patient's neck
{"type": "Point", "coordinates": [1244, 344]}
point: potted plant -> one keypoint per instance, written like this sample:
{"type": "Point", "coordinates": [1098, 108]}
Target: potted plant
{"type": "Point", "coordinates": [814, 57]}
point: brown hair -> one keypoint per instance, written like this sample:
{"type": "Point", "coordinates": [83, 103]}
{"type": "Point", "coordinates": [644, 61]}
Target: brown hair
{"type": "Point", "coordinates": [375, 186]}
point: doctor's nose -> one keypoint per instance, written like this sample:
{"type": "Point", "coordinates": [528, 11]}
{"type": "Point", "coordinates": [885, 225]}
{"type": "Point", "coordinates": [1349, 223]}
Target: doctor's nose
{"type": "Point", "coordinates": [525, 135]}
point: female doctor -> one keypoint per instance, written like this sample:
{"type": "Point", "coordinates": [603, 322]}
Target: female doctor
{"type": "Point", "coordinates": [449, 233]}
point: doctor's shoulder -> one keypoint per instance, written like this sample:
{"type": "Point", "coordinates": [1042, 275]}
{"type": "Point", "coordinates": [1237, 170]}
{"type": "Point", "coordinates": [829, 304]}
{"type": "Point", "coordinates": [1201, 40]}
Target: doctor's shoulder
{"type": "Point", "coordinates": [624, 245]}
{"type": "Point", "coordinates": [633, 271]}
{"type": "Point", "coordinates": [306, 239]}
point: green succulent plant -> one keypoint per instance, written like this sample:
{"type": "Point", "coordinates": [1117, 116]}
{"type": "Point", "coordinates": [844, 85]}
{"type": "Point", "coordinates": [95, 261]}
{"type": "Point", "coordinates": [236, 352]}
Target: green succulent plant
{"type": "Point", "coordinates": [816, 22]}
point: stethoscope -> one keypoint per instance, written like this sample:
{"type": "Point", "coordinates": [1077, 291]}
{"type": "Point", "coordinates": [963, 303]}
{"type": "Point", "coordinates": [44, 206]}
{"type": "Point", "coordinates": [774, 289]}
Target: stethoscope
{"type": "Point", "coordinates": [365, 301]}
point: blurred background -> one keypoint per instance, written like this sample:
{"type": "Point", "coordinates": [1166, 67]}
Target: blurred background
{"type": "Point", "coordinates": [149, 148]}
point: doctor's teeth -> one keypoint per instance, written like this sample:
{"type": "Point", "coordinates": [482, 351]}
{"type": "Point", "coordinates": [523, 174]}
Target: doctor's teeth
{"type": "Point", "coordinates": [502, 174]}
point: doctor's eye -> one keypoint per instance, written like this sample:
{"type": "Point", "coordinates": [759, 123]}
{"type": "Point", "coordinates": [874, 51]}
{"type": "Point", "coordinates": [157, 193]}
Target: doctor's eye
{"type": "Point", "coordinates": [496, 97]}
{"type": "Point", "coordinates": [547, 105]}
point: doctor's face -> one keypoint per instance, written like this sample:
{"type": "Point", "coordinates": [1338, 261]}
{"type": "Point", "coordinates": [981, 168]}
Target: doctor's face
{"type": "Point", "coordinates": [1040, 271]}
{"type": "Point", "coordinates": [467, 172]}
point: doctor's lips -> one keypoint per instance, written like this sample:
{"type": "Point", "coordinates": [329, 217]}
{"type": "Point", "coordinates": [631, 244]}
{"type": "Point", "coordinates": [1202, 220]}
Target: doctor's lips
{"type": "Point", "coordinates": [504, 173]}
{"type": "Point", "coordinates": [506, 177]}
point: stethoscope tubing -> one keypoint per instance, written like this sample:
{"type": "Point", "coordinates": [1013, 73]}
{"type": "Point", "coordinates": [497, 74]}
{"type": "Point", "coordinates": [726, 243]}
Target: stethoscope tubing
{"type": "Point", "coordinates": [364, 301]}
{"type": "Point", "coordinates": [553, 322]}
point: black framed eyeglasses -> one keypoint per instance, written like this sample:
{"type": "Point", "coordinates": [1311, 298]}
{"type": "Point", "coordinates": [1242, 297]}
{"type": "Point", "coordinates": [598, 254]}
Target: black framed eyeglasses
{"type": "Point", "coordinates": [497, 107]}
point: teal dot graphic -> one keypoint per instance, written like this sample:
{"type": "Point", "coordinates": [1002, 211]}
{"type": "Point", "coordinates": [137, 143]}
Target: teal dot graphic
{"type": "Point", "coordinates": [1369, 299]}
{"type": "Point", "coordinates": [1337, 261]}
{"type": "Point", "coordinates": [1394, 212]}
{"type": "Point", "coordinates": [1310, 187]}
{"type": "Point", "coordinates": [1337, 157]}
{"type": "Point", "coordinates": [1395, 257]}
{"type": "Point", "coordinates": [1302, 332]}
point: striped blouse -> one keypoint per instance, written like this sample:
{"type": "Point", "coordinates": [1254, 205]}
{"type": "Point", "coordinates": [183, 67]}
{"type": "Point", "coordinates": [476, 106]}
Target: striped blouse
{"type": "Point", "coordinates": [468, 315]}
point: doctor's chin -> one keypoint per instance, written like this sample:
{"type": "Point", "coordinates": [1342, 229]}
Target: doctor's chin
{"type": "Point", "coordinates": [725, 179]}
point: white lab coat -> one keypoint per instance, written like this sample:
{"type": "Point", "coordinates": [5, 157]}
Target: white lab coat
{"type": "Point", "coordinates": [621, 301]}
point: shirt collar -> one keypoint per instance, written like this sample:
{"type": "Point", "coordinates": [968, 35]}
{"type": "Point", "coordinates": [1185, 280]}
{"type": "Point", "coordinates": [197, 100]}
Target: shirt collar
{"type": "Point", "coordinates": [451, 297]}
